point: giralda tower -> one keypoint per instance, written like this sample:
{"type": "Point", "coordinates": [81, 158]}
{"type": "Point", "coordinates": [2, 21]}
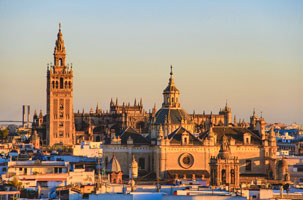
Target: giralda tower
{"type": "Point", "coordinates": [60, 114]}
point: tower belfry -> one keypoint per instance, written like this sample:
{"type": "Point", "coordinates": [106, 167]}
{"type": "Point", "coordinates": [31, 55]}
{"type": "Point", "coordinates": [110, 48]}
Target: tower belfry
{"type": "Point", "coordinates": [60, 115]}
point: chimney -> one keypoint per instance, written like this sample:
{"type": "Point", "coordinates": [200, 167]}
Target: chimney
{"type": "Point", "coordinates": [23, 115]}
{"type": "Point", "coordinates": [28, 115]}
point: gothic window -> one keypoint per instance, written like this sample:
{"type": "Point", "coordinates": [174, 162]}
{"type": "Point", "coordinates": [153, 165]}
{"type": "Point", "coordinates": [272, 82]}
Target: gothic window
{"type": "Point", "coordinates": [172, 99]}
{"type": "Point", "coordinates": [65, 84]}
{"type": "Point", "coordinates": [57, 84]}
{"type": "Point", "coordinates": [61, 107]}
{"type": "Point", "coordinates": [70, 84]}
{"type": "Point", "coordinates": [141, 163]}
{"type": "Point", "coordinates": [61, 83]}
{"type": "Point", "coordinates": [232, 176]}
{"type": "Point", "coordinates": [248, 165]}
{"type": "Point", "coordinates": [53, 84]}
{"type": "Point", "coordinates": [60, 61]}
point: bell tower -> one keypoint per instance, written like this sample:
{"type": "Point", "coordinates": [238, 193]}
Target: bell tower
{"type": "Point", "coordinates": [60, 114]}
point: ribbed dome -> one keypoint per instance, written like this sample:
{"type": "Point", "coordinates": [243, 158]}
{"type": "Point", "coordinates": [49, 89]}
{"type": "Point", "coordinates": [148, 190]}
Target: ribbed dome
{"type": "Point", "coordinates": [174, 116]}
{"type": "Point", "coordinates": [113, 165]}
{"type": "Point", "coordinates": [170, 88]}
{"type": "Point", "coordinates": [224, 152]}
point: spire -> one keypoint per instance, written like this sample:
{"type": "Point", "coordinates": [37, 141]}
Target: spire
{"type": "Point", "coordinates": [59, 51]}
{"type": "Point", "coordinates": [40, 114]}
{"type": "Point", "coordinates": [171, 79]}
{"type": "Point", "coordinates": [160, 135]}
{"type": "Point", "coordinates": [135, 103]}
{"type": "Point", "coordinates": [35, 113]}
{"type": "Point", "coordinates": [141, 104]}
{"type": "Point", "coordinates": [97, 108]}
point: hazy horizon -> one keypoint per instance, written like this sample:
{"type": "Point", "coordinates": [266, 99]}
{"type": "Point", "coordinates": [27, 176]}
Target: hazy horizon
{"type": "Point", "coordinates": [246, 52]}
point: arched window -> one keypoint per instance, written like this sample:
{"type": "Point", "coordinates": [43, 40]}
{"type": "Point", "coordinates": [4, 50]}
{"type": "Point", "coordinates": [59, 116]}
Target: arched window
{"type": "Point", "coordinates": [65, 84]}
{"type": "Point", "coordinates": [223, 176]}
{"type": "Point", "coordinates": [60, 61]}
{"type": "Point", "coordinates": [61, 83]}
{"type": "Point", "coordinates": [57, 84]}
{"type": "Point", "coordinates": [53, 84]}
{"type": "Point", "coordinates": [232, 176]}
{"type": "Point", "coordinates": [70, 84]}
{"type": "Point", "coordinates": [172, 99]}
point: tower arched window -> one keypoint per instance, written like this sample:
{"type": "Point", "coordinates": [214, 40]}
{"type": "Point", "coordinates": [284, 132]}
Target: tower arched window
{"type": "Point", "coordinates": [57, 84]}
{"type": "Point", "coordinates": [60, 61]}
{"type": "Point", "coordinates": [53, 84]}
{"type": "Point", "coordinates": [232, 176]}
{"type": "Point", "coordinates": [65, 84]}
{"type": "Point", "coordinates": [61, 83]}
{"type": "Point", "coordinates": [70, 84]}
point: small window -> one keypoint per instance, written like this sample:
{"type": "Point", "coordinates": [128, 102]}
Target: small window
{"type": "Point", "coordinates": [61, 115]}
{"type": "Point", "coordinates": [247, 141]}
{"type": "Point", "coordinates": [172, 100]}
{"type": "Point", "coordinates": [60, 61]}
{"type": "Point", "coordinates": [65, 84]}
{"type": "Point", "coordinates": [57, 84]}
{"type": "Point", "coordinates": [141, 163]}
{"type": "Point", "coordinates": [70, 84]}
{"type": "Point", "coordinates": [4, 169]}
{"type": "Point", "coordinates": [53, 83]}
{"type": "Point", "coordinates": [248, 165]}
{"type": "Point", "coordinates": [61, 107]}
{"type": "Point", "coordinates": [20, 169]}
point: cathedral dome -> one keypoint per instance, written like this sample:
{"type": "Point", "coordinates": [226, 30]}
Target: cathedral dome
{"type": "Point", "coordinates": [113, 165]}
{"type": "Point", "coordinates": [172, 116]}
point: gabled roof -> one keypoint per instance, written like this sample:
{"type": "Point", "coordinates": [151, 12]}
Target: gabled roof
{"type": "Point", "coordinates": [176, 137]}
{"type": "Point", "coordinates": [137, 138]}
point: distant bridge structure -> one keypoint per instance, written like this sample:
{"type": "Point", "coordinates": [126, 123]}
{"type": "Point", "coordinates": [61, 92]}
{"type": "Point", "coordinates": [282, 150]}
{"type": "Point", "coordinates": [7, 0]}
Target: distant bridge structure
{"type": "Point", "coordinates": [15, 121]}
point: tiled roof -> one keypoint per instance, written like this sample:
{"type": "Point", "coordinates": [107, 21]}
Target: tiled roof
{"type": "Point", "coordinates": [235, 133]}
{"type": "Point", "coordinates": [134, 135]}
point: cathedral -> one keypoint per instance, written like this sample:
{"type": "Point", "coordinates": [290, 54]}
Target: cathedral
{"type": "Point", "coordinates": [168, 143]}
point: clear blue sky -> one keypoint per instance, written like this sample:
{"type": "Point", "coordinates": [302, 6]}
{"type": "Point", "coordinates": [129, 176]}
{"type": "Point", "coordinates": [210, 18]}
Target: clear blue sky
{"type": "Point", "coordinates": [249, 52]}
